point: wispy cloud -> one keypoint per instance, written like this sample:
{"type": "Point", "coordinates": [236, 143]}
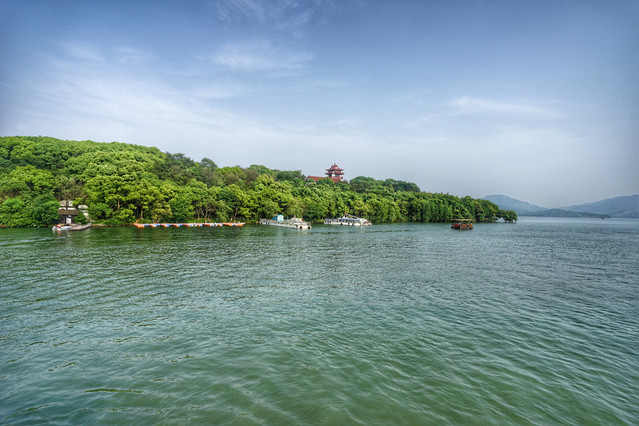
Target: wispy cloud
{"type": "Point", "coordinates": [132, 55]}
{"type": "Point", "coordinates": [468, 105]}
{"type": "Point", "coordinates": [239, 10]}
{"type": "Point", "coordinates": [260, 55]}
{"type": "Point", "coordinates": [79, 51]}
{"type": "Point", "coordinates": [83, 92]}
{"type": "Point", "coordinates": [284, 15]}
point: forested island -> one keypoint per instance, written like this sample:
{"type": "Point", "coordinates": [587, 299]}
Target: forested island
{"type": "Point", "coordinates": [124, 183]}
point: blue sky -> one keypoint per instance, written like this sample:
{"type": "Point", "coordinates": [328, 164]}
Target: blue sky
{"type": "Point", "coordinates": [537, 100]}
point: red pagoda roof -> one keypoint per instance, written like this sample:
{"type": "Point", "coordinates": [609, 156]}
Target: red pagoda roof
{"type": "Point", "coordinates": [334, 173]}
{"type": "Point", "coordinates": [334, 168]}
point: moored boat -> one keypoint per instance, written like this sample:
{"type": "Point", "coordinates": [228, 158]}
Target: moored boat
{"type": "Point", "coordinates": [71, 227]}
{"type": "Point", "coordinates": [294, 222]}
{"type": "Point", "coordinates": [462, 224]}
{"type": "Point", "coordinates": [348, 220]}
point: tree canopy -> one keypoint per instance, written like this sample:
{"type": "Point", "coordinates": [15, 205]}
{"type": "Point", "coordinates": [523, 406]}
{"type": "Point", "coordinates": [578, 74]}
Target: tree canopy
{"type": "Point", "coordinates": [124, 183]}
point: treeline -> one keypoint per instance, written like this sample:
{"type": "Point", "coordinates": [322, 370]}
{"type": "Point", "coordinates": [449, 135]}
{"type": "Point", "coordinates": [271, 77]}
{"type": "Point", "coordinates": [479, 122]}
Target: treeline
{"type": "Point", "coordinates": [124, 183]}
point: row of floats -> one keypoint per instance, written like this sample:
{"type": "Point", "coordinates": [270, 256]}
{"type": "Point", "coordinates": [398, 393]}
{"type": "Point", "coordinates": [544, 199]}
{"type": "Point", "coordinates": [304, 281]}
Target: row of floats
{"type": "Point", "coordinates": [187, 225]}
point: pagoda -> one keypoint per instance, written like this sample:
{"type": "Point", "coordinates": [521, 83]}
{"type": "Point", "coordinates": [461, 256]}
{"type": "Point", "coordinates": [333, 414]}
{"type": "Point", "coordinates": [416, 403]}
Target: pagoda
{"type": "Point", "coordinates": [334, 173]}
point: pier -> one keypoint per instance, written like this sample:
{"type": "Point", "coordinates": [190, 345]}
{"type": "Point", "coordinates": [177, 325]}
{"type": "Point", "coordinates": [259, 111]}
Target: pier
{"type": "Point", "coordinates": [189, 225]}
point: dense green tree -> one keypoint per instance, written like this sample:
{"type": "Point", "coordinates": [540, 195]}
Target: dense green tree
{"type": "Point", "coordinates": [295, 176]}
{"type": "Point", "coordinates": [123, 183]}
{"type": "Point", "coordinates": [13, 213]}
{"type": "Point", "coordinates": [315, 210]}
{"type": "Point", "coordinates": [508, 215]}
{"type": "Point", "coordinates": [69, 188]}
{"type": "Point", "coordinates": [181, 209]}
{"type": "Point", "coordinates": [98, 210]}
{"type": "Point", "coordinates": [207, 163]}
{"type": "Point", "coordinates": [363, 184]}
{"type": "Point", "coordinates": [236, 200]}
{"type": "Point", "coordinates": [43, 210]}
{"type": "Point", "coordinates": [35, 179]}
{"type": "Point", "coordinates": [207, 171]}
{"type": "Point", "coordinates": [232, 176]}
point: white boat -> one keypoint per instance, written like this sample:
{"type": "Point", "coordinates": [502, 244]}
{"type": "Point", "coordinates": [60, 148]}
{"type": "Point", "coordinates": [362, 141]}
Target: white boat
{"type": "Point", "coordinates": [348, 220]}
{"type": "Point", "coordinates": [294, 222]}
{"type": "Point", "coordinates": [71, 227]}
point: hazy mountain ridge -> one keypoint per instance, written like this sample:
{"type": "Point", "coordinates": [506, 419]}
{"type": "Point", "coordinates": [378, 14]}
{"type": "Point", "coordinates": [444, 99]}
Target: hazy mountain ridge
{"type": "Point", "coordinates": [565, 213]}
{"type": "Point", "coordinates": [624, 206]}
{"type": "Point", "coordinates": [509, 203]}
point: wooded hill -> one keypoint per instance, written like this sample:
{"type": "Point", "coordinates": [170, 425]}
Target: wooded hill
{"type": "Point", "coordinates": [123, 183]}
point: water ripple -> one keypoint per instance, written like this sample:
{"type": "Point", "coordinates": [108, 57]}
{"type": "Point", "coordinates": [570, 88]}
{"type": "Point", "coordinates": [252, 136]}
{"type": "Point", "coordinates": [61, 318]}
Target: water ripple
{"type": "Point", "coordinates": [411, 324]}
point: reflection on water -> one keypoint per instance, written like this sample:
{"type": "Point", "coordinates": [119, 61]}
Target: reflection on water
{"type": "Point", "coordinates": [412, 323]}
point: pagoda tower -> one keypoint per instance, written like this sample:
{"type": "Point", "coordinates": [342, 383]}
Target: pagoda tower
{"type": "Point", "coordinates": [335, 173]}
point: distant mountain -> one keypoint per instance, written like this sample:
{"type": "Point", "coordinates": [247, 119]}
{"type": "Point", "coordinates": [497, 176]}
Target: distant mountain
{"type": "Point", "coordinates": [564, 213]}
{"type": "Point", "coordinates": [627, 206]}
{"type": "Point", "coordinates": [507, 203]}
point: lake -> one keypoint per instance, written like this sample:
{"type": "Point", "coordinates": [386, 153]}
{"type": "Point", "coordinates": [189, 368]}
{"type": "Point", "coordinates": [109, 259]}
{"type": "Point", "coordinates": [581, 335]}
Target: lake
{"type": "Point", "coordinates": [535, 322]}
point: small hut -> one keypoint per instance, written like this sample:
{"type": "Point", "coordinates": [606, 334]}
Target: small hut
{"type": "Point", "coordinates": [67, 212]}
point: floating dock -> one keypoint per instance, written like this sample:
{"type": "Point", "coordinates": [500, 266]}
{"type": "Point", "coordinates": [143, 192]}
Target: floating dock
{"type": "Point", "coordinates": [188, 225]}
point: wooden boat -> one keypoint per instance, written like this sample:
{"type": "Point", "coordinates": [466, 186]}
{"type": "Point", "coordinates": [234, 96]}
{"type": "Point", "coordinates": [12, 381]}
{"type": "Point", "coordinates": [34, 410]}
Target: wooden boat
{"type": "Point", "coordinates": [462, 224]}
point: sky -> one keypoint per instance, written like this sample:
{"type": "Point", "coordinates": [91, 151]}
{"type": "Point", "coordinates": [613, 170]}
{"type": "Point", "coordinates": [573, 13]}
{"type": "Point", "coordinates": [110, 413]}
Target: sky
{"type": "Point", "coordinates": [537, 100]}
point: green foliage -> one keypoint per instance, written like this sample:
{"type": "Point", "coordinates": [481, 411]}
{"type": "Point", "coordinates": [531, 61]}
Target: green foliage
{"type": "Point", "coordinates": [80, 218]}
{"type": "Point", "coordinates": [25, 211]}
{"type": "Point", "coordinates": [13, 213]}
{"type": "Point", "coordinates": [43, 210]}
{"type": "Point", "coordinates": [295, 176]}
{"type": "Point", "coordinates": [508, 215]}
{"type": "Point", "coordinates": [35, 180]}
{"type": "Point", "coordinates": [123, 183]}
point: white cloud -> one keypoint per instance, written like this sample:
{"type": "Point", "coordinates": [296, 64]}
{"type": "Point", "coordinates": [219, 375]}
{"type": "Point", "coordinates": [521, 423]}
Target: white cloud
{"type": "Point", "coordinates": [84, 93]}
{"type": "Point", "coordinates": [82, 52]}
{"type": "Point", "coordinates": [260, 55]}
{"type": "Point", "coordinates": [292, 16]}
{"type": "Point", "coordinates": [132, 55]}
{"type": "Point", "coordinates": [468, 105]}
{"type": "Point", "coordinates": [237, 10]}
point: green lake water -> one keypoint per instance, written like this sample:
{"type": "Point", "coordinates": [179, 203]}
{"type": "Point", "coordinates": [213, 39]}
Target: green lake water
{"type": "Point", "coordinates": [528, 323]}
